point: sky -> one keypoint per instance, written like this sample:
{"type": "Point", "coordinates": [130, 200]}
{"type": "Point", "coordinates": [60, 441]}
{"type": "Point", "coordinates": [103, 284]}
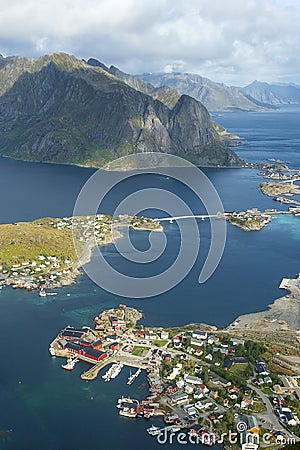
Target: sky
{"type": "Point", "coordinates": [228, 41]}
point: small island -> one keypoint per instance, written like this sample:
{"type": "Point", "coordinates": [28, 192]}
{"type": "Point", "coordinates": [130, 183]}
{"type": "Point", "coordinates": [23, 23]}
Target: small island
{"type": "Point", "coordinates": [44, 253]}
{"type": "Point", "coordinates": [203, 382]}
{"type": "Point", "coordinates": [272, 189]}
{"type": "Point", "coordinates": [250, 220]}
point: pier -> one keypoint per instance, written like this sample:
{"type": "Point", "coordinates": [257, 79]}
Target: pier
{"type": "Point", "coordinates": [92, 373]}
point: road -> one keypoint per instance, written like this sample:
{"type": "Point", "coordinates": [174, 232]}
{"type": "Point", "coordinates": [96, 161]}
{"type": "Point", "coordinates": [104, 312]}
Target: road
{"type": "Point", "coordinates": [270, 415]}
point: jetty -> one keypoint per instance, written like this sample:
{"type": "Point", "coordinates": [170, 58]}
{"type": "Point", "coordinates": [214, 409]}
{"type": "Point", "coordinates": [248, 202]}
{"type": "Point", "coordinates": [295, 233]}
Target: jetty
{"type": "Point", "coordinates": [92, 373]}
{"type": "Point", "coordinates": [133, 376]}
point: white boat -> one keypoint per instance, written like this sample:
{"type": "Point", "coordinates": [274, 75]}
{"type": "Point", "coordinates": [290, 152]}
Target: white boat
{"type": "Point", "coordinates": [52, 351]}
{"type": "Point", "coordinates": [127, 413]}
{"type": "Point", "coordinates": [175, 429]}
{"type": "Point", "coordinates": [153, 430]}
{"type": "Point", "coordinates": [42, 293]}
{"type": "Point", "coordinates": [70, 364]}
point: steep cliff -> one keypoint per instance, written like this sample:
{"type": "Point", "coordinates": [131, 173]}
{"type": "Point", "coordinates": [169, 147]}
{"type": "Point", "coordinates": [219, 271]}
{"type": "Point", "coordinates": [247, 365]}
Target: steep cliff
{"type": "Point", "coordinates": [60, 109]}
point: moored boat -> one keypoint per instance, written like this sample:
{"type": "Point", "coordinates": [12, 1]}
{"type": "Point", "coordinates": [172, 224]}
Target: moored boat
{"type": "Point", "coordinates": [52, 351]}
{"type": "Point", "coordinates": [70, 364]}
{"type": "Point", "coordinates": [153, 430]}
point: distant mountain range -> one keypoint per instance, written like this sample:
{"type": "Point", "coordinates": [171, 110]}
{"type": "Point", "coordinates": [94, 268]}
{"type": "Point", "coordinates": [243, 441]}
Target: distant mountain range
{"type": "Point", "coordinates": [274, 94]}
{"type": "Point", "coordinates": [218, 97]}
{"type": "Point", "coordinates": [61, 109]}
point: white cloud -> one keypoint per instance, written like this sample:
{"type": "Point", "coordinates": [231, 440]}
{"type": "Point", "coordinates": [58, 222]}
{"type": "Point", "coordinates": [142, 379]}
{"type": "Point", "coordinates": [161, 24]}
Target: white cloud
{"type": "Point", "coordinates": [225, 40]}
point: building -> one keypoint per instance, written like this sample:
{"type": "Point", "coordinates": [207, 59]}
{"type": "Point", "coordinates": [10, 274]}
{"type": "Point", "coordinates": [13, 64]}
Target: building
{"type": "Point", "coordinates": [192, 380]}
{"type": "Point", "coordinates": [179, 398]}
{"type": "Point", "coordinates": [164, 335]}
{"type": "Point", "coordinates": [199, 334]}
{"type": "Point", "coordinates": [196, 342]}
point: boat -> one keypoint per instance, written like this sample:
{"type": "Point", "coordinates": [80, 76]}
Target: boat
{"type": "Point", "coordinates": [153, 430]}
{"type": "Point", "coordinates": [133, 376]}
{"type": "Point", "coordinates": [52, 351]}
{"type": "Point", "coordinates": [128, 413]}
{"type": "Point", "coordinates": [175, 429]}
{"type": "Point", "coordinates": [42, 293]}
{"type": "Point", "coordinates": [113, 371]}
{"type": "Point", "coordinates": [70, 364]}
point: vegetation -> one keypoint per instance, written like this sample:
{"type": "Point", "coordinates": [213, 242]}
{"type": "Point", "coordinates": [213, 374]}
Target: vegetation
{"type": "Point", "coordinates": [25, 241]}
{"type": "Point", "coordinates": [139, 351]}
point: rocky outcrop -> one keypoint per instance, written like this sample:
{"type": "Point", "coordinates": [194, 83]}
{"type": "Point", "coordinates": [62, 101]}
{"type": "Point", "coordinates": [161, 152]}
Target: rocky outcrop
{"type": "Point", "coordinates": [61, 109]}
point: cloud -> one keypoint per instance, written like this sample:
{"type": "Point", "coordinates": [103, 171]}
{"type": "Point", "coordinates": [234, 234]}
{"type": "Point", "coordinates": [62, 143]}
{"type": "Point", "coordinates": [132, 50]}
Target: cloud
{"type": "Point", "coordinates": [225, 40]}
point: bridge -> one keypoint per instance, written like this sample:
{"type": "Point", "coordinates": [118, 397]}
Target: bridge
{"type": "Point", "coordinates": [196, 216]}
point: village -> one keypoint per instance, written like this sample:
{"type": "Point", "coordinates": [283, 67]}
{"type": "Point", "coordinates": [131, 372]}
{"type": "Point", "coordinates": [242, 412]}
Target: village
{"type": "Point", "coordinates": [56, 267]}
{"type": "Point", "coordinates": [202, 381]}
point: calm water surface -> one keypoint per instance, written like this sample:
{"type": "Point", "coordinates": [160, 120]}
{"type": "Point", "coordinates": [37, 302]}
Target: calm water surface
{"type": "Point", "coordinates": [47, 407]}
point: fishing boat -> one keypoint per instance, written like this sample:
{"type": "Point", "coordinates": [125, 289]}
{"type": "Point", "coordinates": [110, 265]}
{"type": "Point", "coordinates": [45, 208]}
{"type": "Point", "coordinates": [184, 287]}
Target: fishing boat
{"type": "Point", "coordinates": [70, 364]}
{"type": "Point", "coordinates": [52, 351]}
{"type": "Point", "coordinates": [153, 430]}
{"type": "Point", "coordinates": [126, 412]}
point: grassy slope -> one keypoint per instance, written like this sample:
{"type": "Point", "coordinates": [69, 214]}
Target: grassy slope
{"type": "Point", "coordinates": [28, 240]}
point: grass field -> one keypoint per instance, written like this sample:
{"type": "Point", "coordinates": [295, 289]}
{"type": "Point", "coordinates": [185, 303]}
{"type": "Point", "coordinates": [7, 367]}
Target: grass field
{"type": "Point", "coordinates": [25, 241]}
{"type": "Point", "coordinates": [139, 351]}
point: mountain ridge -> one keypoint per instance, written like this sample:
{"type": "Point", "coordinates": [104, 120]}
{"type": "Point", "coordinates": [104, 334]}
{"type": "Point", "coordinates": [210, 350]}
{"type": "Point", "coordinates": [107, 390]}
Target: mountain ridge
{"type": "Point", "coordinates": [58, 108]}
{"type": "Point", "coordinates": [216, 97]}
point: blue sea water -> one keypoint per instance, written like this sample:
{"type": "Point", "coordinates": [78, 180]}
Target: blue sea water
{"type": "Point", "coordinates": [47, 407]}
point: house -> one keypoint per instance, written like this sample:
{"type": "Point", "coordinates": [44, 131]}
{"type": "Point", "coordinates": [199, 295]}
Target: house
{"type": "Point", "coordinates": [199, 334]}
{"type": "Point", "coordinates": [268, 380]}
{"type": "Point", "coordinates": [140, 334]}
{"type": "Point", "coordinates": [235, 342]}
{"type": "Point", "coordinates": [278, 389]}
{"type": "Point", "coordinates": [204, 389]}
{"type": "Point", "coordinates": [167, 357]}
{"type": "Point", "coordinates": [216, 379]}
{"type": "Point", "coordinates": [228, 363]}
{"type": "Point", "coordinates": [179, 398]}
{"type": "Point", "coordinates": [114, 346]}
{"type": "Point", "coordinates": [246, 402]}
{"type": "Point", "coordinates": [172, 389]}
{"type": "Point", "coordinates": [210, 340]}
{"type": "Point", "coordinates": [198, 352]}
{"type": "Point", "coordinates": [164, 335]}
{"type": "Point", "coordinates": [262, 369]}
{"type": "Point", "coordinates": [180, 383]}
{"type": "Point", "coordinates": [192, 380]}
{"type": "Point", "coordinates": [196, 342]}
{"type": "Point", "coordinates": [176, 341]}
{"type": "Point", "coordinates": [198, 394]}
{"type": "Point", "coordinates": [188, 389]}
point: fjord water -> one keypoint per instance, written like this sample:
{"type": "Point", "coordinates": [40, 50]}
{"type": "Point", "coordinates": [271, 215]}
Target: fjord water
{"type": "Point", "coordinates": [47, 407]}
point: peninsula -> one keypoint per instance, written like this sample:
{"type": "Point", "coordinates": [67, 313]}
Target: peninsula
{"type": "Point", "coordinates": [203, 382]}
{"type": "Point", "coordinates": [48, 252]}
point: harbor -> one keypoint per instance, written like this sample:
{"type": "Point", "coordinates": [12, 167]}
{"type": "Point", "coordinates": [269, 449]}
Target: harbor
{"type": "Point", "coordinates": [192, 387]}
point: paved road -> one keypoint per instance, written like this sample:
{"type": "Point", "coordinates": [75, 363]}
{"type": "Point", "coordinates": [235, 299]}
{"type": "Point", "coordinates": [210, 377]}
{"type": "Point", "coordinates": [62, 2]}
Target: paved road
{"type": "Point", "coordinates": [270, 415]}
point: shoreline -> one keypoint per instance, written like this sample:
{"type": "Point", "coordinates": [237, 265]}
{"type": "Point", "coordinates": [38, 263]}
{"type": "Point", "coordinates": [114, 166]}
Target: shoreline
{"type": "Point", "coordinates": [283, 314]}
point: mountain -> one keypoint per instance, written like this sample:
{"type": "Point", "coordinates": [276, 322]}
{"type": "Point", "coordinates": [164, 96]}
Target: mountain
{"type": "Point", "coordinates": [274, 94]}
{"type": "Point", "coordinates": [215, 96]}
{"type": "Point", "coordinates": [165, 94]}
{"type": "Point", "coordinates": [60, 109]}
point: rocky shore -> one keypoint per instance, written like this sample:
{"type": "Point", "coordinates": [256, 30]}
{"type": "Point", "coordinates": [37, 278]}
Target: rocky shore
{"type": "Point", "coordinates": [283, 313]}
